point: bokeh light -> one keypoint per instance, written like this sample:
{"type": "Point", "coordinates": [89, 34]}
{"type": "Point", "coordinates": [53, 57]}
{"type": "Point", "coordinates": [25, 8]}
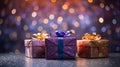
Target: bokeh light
{"type": "Point", "coordinates": [71, 10]}
{"type": "Point", "coordinates": [65, 7]}
{"type": "Point", "coordinates": [45, 21]}
{"type": "Point", "coordinates": [53, 1]}
{"type": "Point", "coordinates": [34, 14]}
{"type": "Point", "coordinates": [59, 19]}
{"type": "Point", "coordinates": [90, 1]}
{"type": "Point", "coordinates": [13, 11]}
{"type": "Point", "coordinates": [76, 24]}
{"type": "Point", "coordinates": [101, 20]}
{"type": "Point", "coordinates": [28, 35]}
{"type": "Point", "coordinates": [20, 19]}
{"type": "Point", "coordinates": [51, 16]}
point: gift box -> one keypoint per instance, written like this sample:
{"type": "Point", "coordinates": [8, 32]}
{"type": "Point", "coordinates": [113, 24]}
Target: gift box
{"type": "Point", "coordinates": [60, 48]}
{"type": "Point", "coordinates": [92, 48]}
{"type": "Point", "coordinates": [34, 48]}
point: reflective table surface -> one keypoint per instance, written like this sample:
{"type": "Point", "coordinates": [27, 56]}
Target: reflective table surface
{"type": "Point", "coordinates": [19, 60]}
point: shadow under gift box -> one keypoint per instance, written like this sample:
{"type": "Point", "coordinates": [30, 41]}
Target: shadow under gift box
{"type": "Point", "coordinates": [34, 48]}
{"type": "Point", "coordinates": [60, 48]}
{"type": "Point", "coordinates": [92, 48]}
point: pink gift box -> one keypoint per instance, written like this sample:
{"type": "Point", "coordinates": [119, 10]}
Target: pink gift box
{"type": "Point", "coordinates": [34, 48]}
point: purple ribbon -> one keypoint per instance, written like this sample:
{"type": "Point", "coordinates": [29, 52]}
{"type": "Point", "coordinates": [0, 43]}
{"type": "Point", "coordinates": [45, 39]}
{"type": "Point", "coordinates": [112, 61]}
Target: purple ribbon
{"type": "Point", "coordinates": [62, 33]}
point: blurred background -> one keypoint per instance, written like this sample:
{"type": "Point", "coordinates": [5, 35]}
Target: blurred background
{"type": "Point", "coordinates": [19, 19]}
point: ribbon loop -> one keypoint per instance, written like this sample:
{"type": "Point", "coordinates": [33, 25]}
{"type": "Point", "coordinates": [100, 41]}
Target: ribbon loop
{"type": "Point", "coordinates": [94, 36]}
{"type": "Point", "coordinates": [40, 36]}
{"type": "Point", "coordinates": [62, 33]}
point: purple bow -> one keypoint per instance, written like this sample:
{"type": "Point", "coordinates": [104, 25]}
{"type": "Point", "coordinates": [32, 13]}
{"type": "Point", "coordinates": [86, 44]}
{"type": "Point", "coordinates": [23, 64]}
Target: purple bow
{"type": "Point", "coordinates": [62, 33]}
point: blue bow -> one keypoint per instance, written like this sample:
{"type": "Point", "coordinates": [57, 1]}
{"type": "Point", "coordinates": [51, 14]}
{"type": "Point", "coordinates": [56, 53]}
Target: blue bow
{"type": "Point", "coordinates": [62, 33]}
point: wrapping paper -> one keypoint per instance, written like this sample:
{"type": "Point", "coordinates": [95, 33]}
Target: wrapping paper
{"type": "Point", "coordinates": [92, 48]}
{"type": "Point", "coordinates": [34, 48]}
{"type": "Point", "coordinates": [60, 48]}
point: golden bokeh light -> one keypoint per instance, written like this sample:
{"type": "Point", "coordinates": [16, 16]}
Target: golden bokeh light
{"type": "Point", "coordinates": [90, 1]}
{"type": "Point", "coordinates": [34, 14]}
{"type": "Point", "coordinates": [53, 1]}
{"type": "Point", "coordinates": [51, 16]}
{"type": "Point", "coordinates": [45, 21]}
{"type": "Point", "coordinates": [101, 20]}
{"type": "Point", "coordinates": [71, 10]}
{"type": "Point", "coordinates": [13, 11]}
{"type": "Point", "coordinates": [59, 19]}
{"type": "Point", "coordinates": [76, 24]}
{"type": "Point", "coordinates": [65, 7]}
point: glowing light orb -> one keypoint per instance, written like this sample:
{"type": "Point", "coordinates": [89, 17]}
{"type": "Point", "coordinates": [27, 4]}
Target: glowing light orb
{"type": "Point", "coordinates": [59, 19]}
{"type": "Point", "coordinates": [90, 1]}
{"type": "Point", "coordinates": [71, 10]}
{"type": "Point", "coordinates": [53, 1]}
{"type": "Point", "coordinates": [45, 21]}
{"type": "Point", "coordinates": [65, 7]}
{"type": "Point", "coordinates": [76, 24]}
{"type": "Point", "coordinates": [51, 16]}
{"type": "Point", "coordinates": [101, 20]}
{"type": "Point", "coordinates": [54, 26]}
{"type": "Point", "coordinates": [13, 11]}
{"type": "Point", "coordinates": [34, 14]}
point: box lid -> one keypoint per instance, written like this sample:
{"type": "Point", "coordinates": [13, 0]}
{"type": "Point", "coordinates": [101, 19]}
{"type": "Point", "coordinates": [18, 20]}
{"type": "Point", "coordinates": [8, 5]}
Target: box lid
{"type": "Point", "coordinates": [32, 42]}
{"type": "Point", "coordinates": [67, 41]}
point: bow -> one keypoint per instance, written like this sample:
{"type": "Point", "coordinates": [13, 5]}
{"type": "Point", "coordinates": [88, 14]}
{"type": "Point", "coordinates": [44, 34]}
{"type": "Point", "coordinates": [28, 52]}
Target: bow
{"type": "Point", "coordinates": [40, 36]}
{"type": "Point", "coordinates": [94, 36]}
{"type": "Point", "coordinates": [62, 33]}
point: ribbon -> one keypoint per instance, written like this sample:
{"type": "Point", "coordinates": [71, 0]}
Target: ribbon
{"type": "Point", "coordinates": [62, 33]}
{"type": "Point", "coordinates": [60, 47]}
{"type": "Point", "coordinates": [40, 36]}
{"type": "Point", "coordinates": [94, 36]}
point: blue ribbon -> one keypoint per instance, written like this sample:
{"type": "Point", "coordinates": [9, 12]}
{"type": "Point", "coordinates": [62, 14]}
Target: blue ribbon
{"type": "Point", "coordinates": [60, 47]}
{"type": "Point", "coordinates": [62, 33]}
